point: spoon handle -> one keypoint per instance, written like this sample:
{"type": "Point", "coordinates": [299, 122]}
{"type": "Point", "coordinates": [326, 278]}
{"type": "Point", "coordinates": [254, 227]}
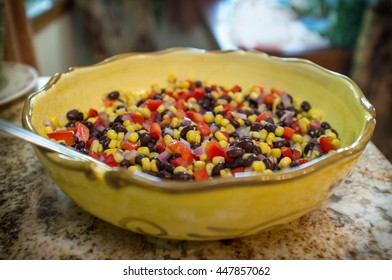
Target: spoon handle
{"type": "Point", "coordinates": [45, 142]}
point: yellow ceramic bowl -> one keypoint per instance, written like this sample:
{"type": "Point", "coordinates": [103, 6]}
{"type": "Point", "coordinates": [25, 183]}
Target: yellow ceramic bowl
{"type": "Point", "coordinates": [213, 209]}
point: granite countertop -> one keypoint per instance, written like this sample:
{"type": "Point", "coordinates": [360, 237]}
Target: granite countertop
{"type": "Point", "coordinates": [38, 221]}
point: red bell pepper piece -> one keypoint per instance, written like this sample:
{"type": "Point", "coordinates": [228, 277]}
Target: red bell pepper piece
{"type": "Point", "coordinates": [129, 145]}
{"type": "Point", "coordinates": [92, 113]}
{"type": "Point", "coordinates": [176, 147]}
{"type": "Point", "coordinates": [326, 144]}
{"type": "Point", "coordinates": [82, 132]}
{"type": "Point", "coordinates": [214, 149]}
{"type": "Point", "coordinates": [287, 152]}
{"type": "Point", "coordinates": [153, 104]}
{"type": "Point", "coordinates": [179, 161]}
{"type": "Point", "coordinates": [195, 116]}
{"type": "Point", "coordinates": [155, 131]}
{"type": "Point", "coordinates": [201, 174]}
{"type": "Point", "coordinates": [66, 136]}
{"type": "Point", "coordinates": [288, 132]}
{"type": "Point", "coordinates": [203, 128]}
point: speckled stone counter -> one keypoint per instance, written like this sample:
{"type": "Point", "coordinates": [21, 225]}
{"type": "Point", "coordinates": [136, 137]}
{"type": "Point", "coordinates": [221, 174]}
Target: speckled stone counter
{"type": "Point", "coordinates": [37, 221]}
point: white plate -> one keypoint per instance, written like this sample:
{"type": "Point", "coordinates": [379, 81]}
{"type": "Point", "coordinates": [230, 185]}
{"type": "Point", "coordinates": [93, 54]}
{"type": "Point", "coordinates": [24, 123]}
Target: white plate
{"type": "Point", "coordinates": [17, 79]}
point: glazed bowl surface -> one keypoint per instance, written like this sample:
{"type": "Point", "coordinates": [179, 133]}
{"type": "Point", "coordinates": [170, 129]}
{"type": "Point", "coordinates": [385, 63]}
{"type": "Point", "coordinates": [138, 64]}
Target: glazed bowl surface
{"type": "Point", "coordinates": [220, 208]}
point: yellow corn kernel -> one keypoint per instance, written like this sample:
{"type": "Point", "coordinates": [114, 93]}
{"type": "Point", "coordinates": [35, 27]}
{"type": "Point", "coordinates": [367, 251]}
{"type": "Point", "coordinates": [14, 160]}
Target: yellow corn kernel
{"type": "Point", "coordinates": [217, 109]}
{"type": "Point", "coordinates": [133, 137]}
{"type": "Point", "coordinates": [185, 84]}
{"type": "Point", "coordinates": [48, 129]}
{"type": "Point", "coordinates": [209, 167]}
{"type": "Point", "coordinates": [239, 98]}
{"type": "Point", "coordinates": [218, 119]}
{"type": "Point", "coordinates": [224, 144]}
{"type": "Point", "coordinates": [286, 161]}
{"type": "Point", "coordinates": [132, 108]}
{"type": "Point", "coordinates": [111, 134]}
{"type": "Point", "coordinates": [215, 94]}
{"type": "Point", "coordinates": [112, 117]}
{"type": "Point", "coordinates": [208, 117]}
{"type": "Point", "coordinates": [258, 165]}
{"type": "Point", "coordinates": [252, 118]}
{"type": "Point", "coordinates": [135, 168]}
{"type": "Point", "coordinates": [95, 146]}
{"type": "Point", "coordinates": [110, 151]}
{"type": "Point", "coordinates": [328, 132]}
{"type": "Point", "coordinates": [279, 130]}
{"type": "Point", "coordinates": [54, 121]}
{"type": "Point", "coordinates": [263, 134]}
{"type": "Point", "coordinates": [336, 142]}
{"type": "Point", "coordinates": [277, 101]}
{"type": "Point", "coordinates": [145, 112]}
{"type": "Point", "coordinates": [176, 134]}
{"type": "Point", "coordinates": [276, 152]}
{"type": "Point", "coordinates": [120, 136]}
{"type": "Point", "coordinates": [161, 108]}
{"type": "Point", "coordinates": [304, 124]}
{"type": "Point", "coordinates": [224, 122]}
{"type": "Point", "coordinates": [118, 157]}
{"type": "Point", "coordinates": [113, 144]}
{"type": "Point", "coordinates": [240, 121]}
{"type": "Point", "coordinates": [172, 78]}
{"type": "Point", "coordinates": [121, 111]}
{"type": "Point", "coordinates": [265, 148]}
{"type": "Point", "coordinates": [173, 109]}
{"type": "Point", "coordinates": [268, 171]}
{"type": "Point", "coordinates": [143, 151]}
{"type": "Point", "coordinates": [174, 122]}
{"type": "Point", "coordinates": [298, 138]}
{"type": "Point", "coordinates": [154, 166]}
{"type": "Point", "coordinates": [127, 123]}
{"type": "Point", "coordinates": [153, 155]}
{"type": "Point", "coordinates": [167, 139]}
{"type": "Point", "coordinates": [230, 128]}
{"type": "Point", "coordinates": [218, 159]}
{"type": "Point", "coordinates": [220, 136]}
{"type": "Point", "coordinates": [314, 154]}
{"type": "Point", "coordinates": [146, 165]}
{"type": "Point", "coordinates": [203, 157]}
{"type": "Point", "coordinates": [270, 137]}
{"type": "Point", "coordinates": [255, 134]}
{"type": "Point", "coordinates": [179, 169]}
{"type": "Point", "coordinates": [315, 114]}
{"type": "Point", "coordinates": [225, 173]}
{"type": "Point", "coordinates": [191, 136]}
{"type": "Point", "coordinates": [199, 164]}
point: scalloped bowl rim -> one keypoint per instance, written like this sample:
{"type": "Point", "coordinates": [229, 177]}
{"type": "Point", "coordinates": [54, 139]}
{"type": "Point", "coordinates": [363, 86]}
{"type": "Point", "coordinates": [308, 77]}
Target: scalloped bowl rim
{"type": "Point", "coordinates": [249, 178]}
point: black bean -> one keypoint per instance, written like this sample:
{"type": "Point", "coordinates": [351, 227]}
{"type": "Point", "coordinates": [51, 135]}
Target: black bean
{"type": "Point", "coordinates": [168, 167]}
{"type": "Point", "coordinates": [278, 144]}
{"type": "Point", "coordinates": [270, 120]}
{"type": "Point", "coordinates": [138, 159]}
{"type": "Point", "coordinates": [182, 176]}
{"type": "Point", "coordinates": [71, 124]}
{"type": "Point", "coordinates": [235, 123]}
{"type": "Point", "coordinates": [268, 164]}
{"type": "Point", "coordinates": [164, 174]}
{"type": "Point", "coordinates": [256, 150]}
{"type": "Point", "coordinates": [89, 125]}
{"type": "Point", "coordinates": [292, 109]}
{"type": "Point", "coordinates": [207, 89]}
{"type": "Point", "coordinates": [198, 83]}
{"type": "Point", "coordinates": [73, 115]}
{"type": "Point", "coordinates": [294, 164]}
{"type": "Point", "coordinates": [157, 97]}
{"type": "Point", "coordinates": [256, 127]}
{"type": "Point", "coordinates": [95, 133]}
{"type": "Point", "coordinates": [226, 97]}
{"type": "Point", "coordinates": [235, 152]}
{"type": "Point", "coordinates": [195, 145]}
{"type": "Point", "coordinates": [246, 145]}
{"type": "Point", "coordinates": [145, 138]}
{"type": "Point", "coordinates": [305, 105]}
{"type": "Point", "coordinates": [270, 127]}
{"type": "Point", "coordinates": [80, 145]}
{"type": "Point", "coordinates": [159, 164]}
{"type": "Point", "coordinates": [185, 130]}
{"type": "Point", "coordinates": [113, 95]}
{"type": "Point", "coordinates": [120, 128]}
{"type": "Point", "coordinates": [320, 131]}
{"type": "Point", "coordinates": [309, 147]}
{"type": "Point", "coordinates": [312, 132]}
{"type": "Point", "coordinates": [249, 160]}
{"type": "Point", "coordinates": [334, 131]}
{"type": "Point", "coordinates": [217, 168]}
{"type": "Point", "coordinates": [238, 162]}
{"type": "Point", "coordinates": [105, 143]}
{"type": "Point", "coordinates": [125, 163]}
{"type": "Point", "coordinates": [325, 125]}
{"type": "Point", "coordinates": [280, 106]}
{"type": "Point", "coordinates": [279, 113]}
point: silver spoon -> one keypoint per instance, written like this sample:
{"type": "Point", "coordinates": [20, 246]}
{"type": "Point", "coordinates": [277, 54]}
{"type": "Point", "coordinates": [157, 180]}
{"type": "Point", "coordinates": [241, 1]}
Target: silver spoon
{"type": "Point", "coordinates": [46, 143]}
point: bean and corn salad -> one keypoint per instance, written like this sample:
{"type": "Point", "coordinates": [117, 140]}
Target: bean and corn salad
{"type": "Point", "coordinates": [191, 130]}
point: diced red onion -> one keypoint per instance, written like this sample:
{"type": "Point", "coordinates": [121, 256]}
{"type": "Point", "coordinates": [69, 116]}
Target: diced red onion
{"type": "Point", "coordinates": [129, 155]}
{"type": "Point", "coordinates": [104, 118]}
{"type": "Point", "coordinates": [100, 128]}
{"type": "Point", "coordinates": [242, 131]}
{"type": "Point", "coordinates": [198, 151]}
{"type": "Point", "coordinates": [186, 121]}
{"type": "Point", "coordinates": [186, 143]}
{"type": "Point", "coordinates": [287, 117]}
{"type": "Point", "coordinates": [169, 131]}
{"type": "Point", "coordinates": [315, 124]}
{"type": "Point", "coordinates": [214, 128]}
{"type": "Point", "coordinates": [318, 148]}
{"type": "Point", "coordinates": [242, 116]}
{"type": "Point", "coordinates": [163, 156]}
{"type": "Point", "coordinates": [147, 126]}
{"type": "Point", "coordinates": [286, 100]}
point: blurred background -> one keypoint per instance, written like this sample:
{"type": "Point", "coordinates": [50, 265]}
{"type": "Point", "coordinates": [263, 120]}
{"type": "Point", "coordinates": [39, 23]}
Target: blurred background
{"type": "Point", "coordinates": [352, 37]}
